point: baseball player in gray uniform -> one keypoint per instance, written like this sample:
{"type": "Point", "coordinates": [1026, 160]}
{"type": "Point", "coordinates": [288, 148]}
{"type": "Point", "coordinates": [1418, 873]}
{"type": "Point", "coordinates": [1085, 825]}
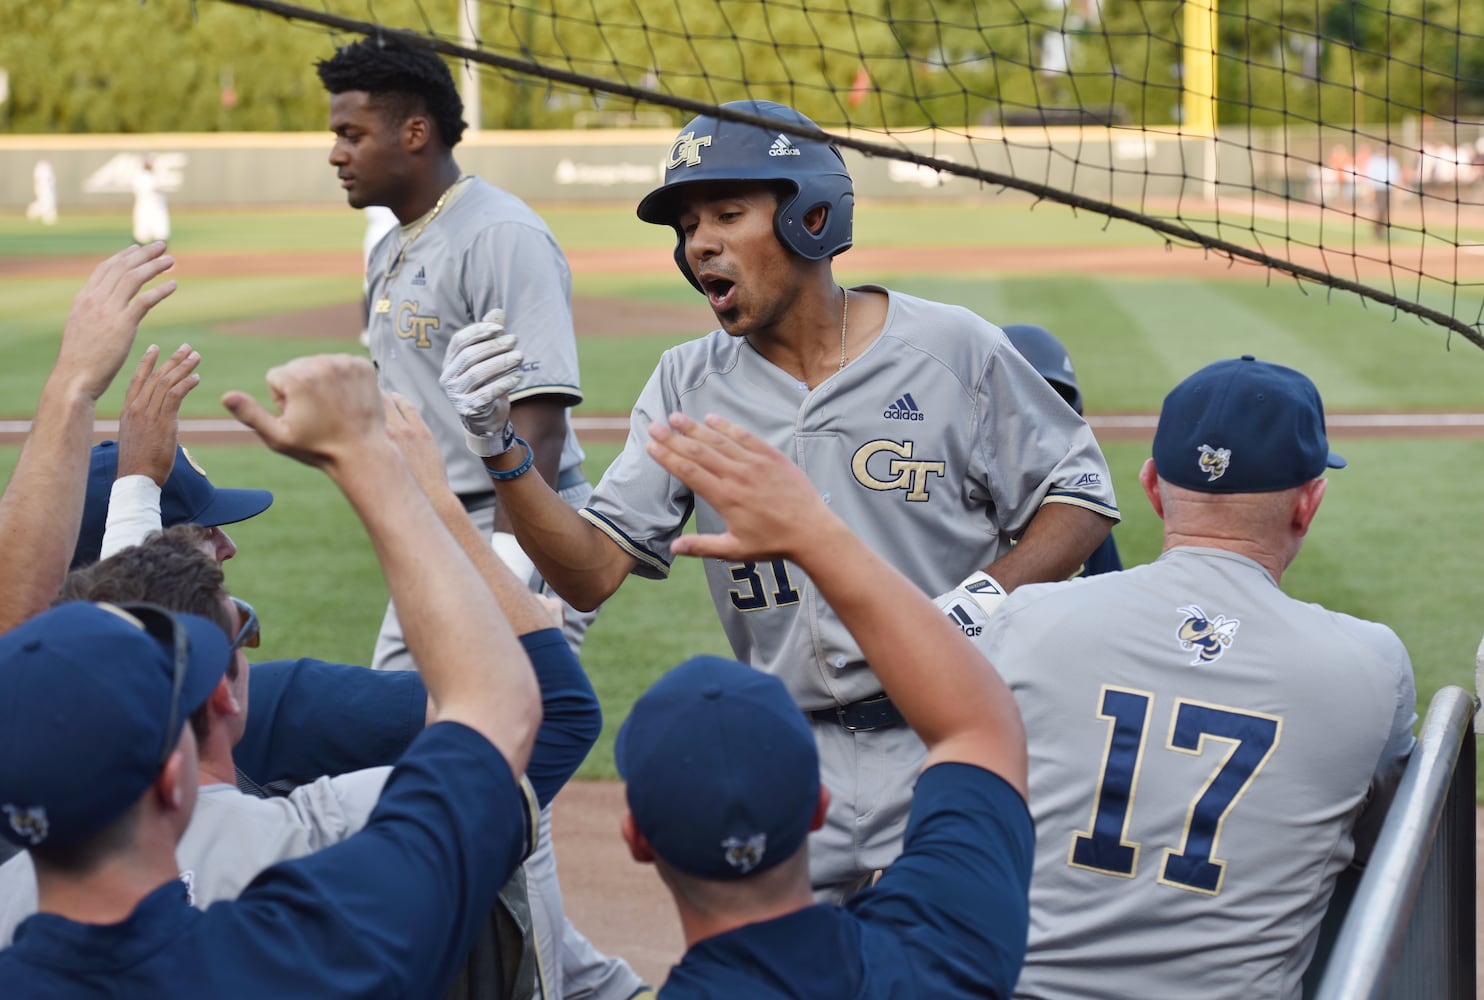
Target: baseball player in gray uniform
{"type": "Point", "coordinates": [926, 432]}
{"type": "Point", "coordinates": [1207, 754]}
{"type": "Point", "coordinates": [464, 251]}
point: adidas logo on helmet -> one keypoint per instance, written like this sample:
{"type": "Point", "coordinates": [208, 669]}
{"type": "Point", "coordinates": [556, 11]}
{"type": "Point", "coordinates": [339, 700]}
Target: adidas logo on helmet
{"type": "Point", "coordinates": [783, 147]}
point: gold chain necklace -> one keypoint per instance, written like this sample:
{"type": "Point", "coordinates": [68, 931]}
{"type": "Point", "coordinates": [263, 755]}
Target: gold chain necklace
{"type": "Point", "coordinates": [844, 318]}
{"type": "Point", "coordinates": [384, 304]}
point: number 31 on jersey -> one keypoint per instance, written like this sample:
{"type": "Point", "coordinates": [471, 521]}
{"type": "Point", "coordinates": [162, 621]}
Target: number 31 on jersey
{"type": "Point", "coordinates": [1248, 738]}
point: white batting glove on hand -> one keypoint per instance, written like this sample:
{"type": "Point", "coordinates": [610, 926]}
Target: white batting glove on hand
{"type": "Point", "coordinates": [970, 604]}
{"type": "Point", "coordinates": [480, 370]}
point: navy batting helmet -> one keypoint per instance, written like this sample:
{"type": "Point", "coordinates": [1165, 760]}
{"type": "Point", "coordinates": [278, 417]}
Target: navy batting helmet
{"type": "Point", "coordinates": [713, 149]}
{"type": "Point", "coordinates": [1048, 356]}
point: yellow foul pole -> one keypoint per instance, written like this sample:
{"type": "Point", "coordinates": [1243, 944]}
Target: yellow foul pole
{"type": "Point", "coordinates": [1199, 100]}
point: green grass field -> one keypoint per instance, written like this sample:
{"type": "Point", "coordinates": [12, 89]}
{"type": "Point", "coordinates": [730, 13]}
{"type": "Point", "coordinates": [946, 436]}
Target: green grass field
{"type": "Point", "coordinates": [1397, 540]}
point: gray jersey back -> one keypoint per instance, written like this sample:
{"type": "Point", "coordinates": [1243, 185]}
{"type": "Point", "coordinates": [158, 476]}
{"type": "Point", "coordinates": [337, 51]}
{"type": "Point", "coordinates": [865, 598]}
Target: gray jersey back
{"type": "Point", "coordinates": [233, 837]}
{"type": "Point", "coordinates": [487, 248]}
{"type": "Point", "coordinates": [936, 445]}
{"type": "Point", "coordinates": [1201, 746]}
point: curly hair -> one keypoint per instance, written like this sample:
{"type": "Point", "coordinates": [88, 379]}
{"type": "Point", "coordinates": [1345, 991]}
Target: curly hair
{"type": "Point", "coordinates": [401, 81]}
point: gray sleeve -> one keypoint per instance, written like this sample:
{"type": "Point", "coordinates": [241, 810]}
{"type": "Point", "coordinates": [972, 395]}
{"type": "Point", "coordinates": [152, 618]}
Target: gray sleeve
{"type": "Point", "coordinates": [333, 808]}
{"type": "Point", "coordinates": [17, 895]}
{"type": "Point", "coordinates": [1399, 744]}
{"type": "Point", "coordinates": [637, 504]}
{"type": "Point", "coordinates": [1034, 448]}
{"type": "Point", "coordinates": [521, 269]}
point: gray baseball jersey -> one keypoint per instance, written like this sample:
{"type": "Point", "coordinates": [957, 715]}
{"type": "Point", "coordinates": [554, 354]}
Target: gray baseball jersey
{"type": "Point", "coordinates": [1201, 749]}
{"type": "Point", "coordinates": [486, 248]}
{"type": "Point", "coordinates": [937, 445]}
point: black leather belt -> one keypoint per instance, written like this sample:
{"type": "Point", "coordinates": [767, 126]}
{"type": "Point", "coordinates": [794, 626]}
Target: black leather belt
{"type": "Point", "coordinates": [862, 716]}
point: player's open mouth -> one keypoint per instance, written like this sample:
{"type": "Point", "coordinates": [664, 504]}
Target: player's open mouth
{"type": "Point", "coordinates": [719, 291]}
{"type": "Point", "coordinates": [346, 182]}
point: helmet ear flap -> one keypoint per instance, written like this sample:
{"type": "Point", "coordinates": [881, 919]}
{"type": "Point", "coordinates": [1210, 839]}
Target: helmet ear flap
{"type": "Point", "coordinates": [684, 264]}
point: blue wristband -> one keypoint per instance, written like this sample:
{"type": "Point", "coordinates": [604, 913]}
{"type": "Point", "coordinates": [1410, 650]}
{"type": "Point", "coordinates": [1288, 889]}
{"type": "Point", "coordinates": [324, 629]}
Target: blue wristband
{"type": "Point", "coordinates": [519, 470]}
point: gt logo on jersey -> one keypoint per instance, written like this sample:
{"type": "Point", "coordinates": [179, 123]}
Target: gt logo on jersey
{"type": "Point", "coordinates": [906, 474]}
{"type": "Point", "coordinates": [411, 326]}
{"type": "Point", "coordinates": [29, 822]}
{"type": "Point", "coordinates": [687, 150]}
{"type": "Point", "coordinates": [1209, 637]}
{"type": "Point", "coordinates": [1214, 461]}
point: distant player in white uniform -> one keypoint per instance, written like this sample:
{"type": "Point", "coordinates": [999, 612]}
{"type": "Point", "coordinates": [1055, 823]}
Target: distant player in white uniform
{"type": "Point", "coordinates": [151, 214]}
{"type": "Point", "coordinates": [464, 250]}
{"type": "Point", "coordinates": [926, 432]}
{"type": "Point", "coordinates": [1207, 754]}
{"type": "Point", "coordinates": [43, 193]}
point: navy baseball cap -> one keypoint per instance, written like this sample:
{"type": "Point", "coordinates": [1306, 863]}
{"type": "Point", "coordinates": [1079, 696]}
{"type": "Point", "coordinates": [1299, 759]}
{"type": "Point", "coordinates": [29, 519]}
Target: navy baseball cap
{"type": "Point", "coordinates": [188, 497]}
{"type": "Point", "coordinates": [86, 722]}
{"type": "Point", "coordinates": [1242, 426]}
{"type": "Point", "coordinates": [722, 770]}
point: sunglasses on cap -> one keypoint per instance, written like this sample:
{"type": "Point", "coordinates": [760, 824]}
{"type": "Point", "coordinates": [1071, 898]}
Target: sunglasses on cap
{"type": "Point", "coordinates": [164, 629]}
{"type": "Point", "coordinates": [249, 634]}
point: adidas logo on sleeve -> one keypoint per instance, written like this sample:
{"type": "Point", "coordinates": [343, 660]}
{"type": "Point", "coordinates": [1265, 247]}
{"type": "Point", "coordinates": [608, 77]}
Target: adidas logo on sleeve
{"type": "Point", "coordinates": [783, 147]}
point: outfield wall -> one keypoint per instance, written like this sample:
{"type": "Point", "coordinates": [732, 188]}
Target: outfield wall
{"type": "Point", "coordinates": [276, 169]}
{"type": "Point", "coordinates": [258, 169]}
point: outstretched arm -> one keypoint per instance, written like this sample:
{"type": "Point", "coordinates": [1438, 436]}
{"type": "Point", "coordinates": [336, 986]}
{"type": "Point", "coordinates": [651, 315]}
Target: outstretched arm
{"type": "Point", "coordinates": [331, 415]}
{"type": "Point", "coordinates": [41, 511]}
{"type": "Point", "coordinates": [580, 563]}
{"type": "Point", "coordinates": [947, 691]}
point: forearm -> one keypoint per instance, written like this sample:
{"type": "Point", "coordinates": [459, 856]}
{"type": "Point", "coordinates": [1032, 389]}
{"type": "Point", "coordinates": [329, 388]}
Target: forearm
{"type": "Point", "coordinates": [571, 719]}
{"type": "Point", "coordinates": [41, 511]}
{"type": "Point", "coordinates": [942, 685]}
{"type": "Point", "coordinates": [523, 611]}
{"type": "Point", "coordinates": [577, 560]}
{"type": "Point", "coordinates": [541, 423]}
{"type": "Point", "coordinates": [474, 667]}
{"type": "Point", "coordinates": [1054, 546]}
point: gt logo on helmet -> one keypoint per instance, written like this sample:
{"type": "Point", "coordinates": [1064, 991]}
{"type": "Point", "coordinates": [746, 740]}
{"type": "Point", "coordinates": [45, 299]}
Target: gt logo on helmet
{"type": "Point", "coordinates": [687, 150]}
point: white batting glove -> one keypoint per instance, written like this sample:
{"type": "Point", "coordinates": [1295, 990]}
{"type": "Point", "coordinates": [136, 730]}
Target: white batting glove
{"type": "Point", "coordinates": [480, 370]}
{"type": "Point", "coordinates": [970, 604]}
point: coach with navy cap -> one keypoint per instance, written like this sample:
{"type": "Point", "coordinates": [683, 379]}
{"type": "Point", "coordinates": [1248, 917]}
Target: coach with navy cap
{"type": "Point", "coordinates": [186, 496]}
{"type": "Point", "coordinates": [1207, 754]}
{"type": "Point", "coordinates": [127, 679]}
{"type": "Point", "coordinates": [723, 777]}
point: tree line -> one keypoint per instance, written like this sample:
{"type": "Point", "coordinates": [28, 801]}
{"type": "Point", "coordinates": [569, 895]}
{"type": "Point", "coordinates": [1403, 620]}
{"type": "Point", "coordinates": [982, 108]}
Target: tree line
{"type": "Point", "coordinates": [170, 65]}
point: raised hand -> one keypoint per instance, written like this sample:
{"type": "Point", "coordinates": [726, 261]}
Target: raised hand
{"type": "Point", "coordinates": [769, 505]}
{"type": "Point", "coordinates": [480, 370]}
{"type": "Point", "coordinates": [408, 431]}
{"type": "Point", "coordinates": [106, 313]}
{"type": "Point", "coordinates": [150, 422]}
{"type": "Point", "coordinates": [330, 408]}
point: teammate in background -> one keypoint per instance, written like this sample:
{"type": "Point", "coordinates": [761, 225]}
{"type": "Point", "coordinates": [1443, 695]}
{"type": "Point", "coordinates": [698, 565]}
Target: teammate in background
{"type": "Point", "coordinates": [930, 436]}
{"type": "Point", "coordinates": [1206, 753]}
{"type": "Point", "coordinates": [1382, 173]}
{"type": "Point", "coordinates": [723, 778]}
{"type": "Point", "coordinates": [1048, 355]}
{"type": "Point", "coordinates": [43, 193]}
{"type": "Point", "coordinates": [465, 251]}
{"type": "Point", "coordinates": [151, 214]}
{"type": "Point", "coordinates": [448, 831]}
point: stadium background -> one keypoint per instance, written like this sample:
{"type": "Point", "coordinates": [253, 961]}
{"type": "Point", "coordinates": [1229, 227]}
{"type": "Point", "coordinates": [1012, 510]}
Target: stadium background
{"type": "Point", "coordinates": [269, 266]}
